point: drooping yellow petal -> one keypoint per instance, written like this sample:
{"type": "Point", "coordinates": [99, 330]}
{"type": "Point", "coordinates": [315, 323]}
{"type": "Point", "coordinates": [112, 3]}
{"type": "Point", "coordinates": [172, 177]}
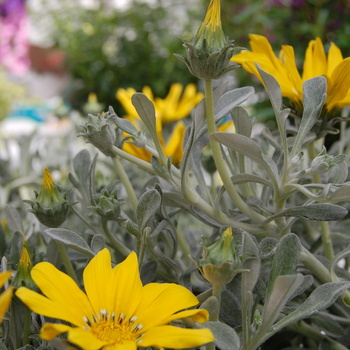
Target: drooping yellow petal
{"type": "Point", "coordinates": [137, 152]}
{"type": "Point", "coordinates": [50, 330]}
{"type": "Point", "coordinates": [340, 81]}
{"type": "Point", "coordinates": [62, 290]}
{"type": "Point", "coordinates": [173, 337]}
{"type": "Point", "coordinates": [199, 315]}
{"type": "Point", "coordinates": [335, 57]}
{"type": "Point", "coordinates": [4, 276]}
{"type": "Point", "coordinates": [85, 339]}
{"type": "Point", "coordinates": [5, 301]}
{"type": "Point", "coordinates": [174, 146]}
{"type": "Point", "coordinates": [293, 71]}
{"type": "Point", "coordinates": [128, 293]}
{"type": "Point", "coordinates": [124, 97]}
{"type": "Point", "coordinates": [148, 92]}
{"type": "Point", "coordinates": [160, 301]}
{"type": "Point", "coordinates": [46, 307]}
{"type": "Point", "coordinates": [100, 282]}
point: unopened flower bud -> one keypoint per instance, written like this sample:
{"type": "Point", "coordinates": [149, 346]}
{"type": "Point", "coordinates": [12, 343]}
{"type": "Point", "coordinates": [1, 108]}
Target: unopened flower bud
{"type": "Point", "coordinates": [23, 277]}
{"type": "Point", "coordinates": [50, 206]}
{"type": "Point", "coordinates": [208, 56]}
{"type": "Point", "coordinates": [101, 132]}
{"type": "Point", "coordinates": [108, 206]}
{"type": "Point", "coordinates": [220, 261]}
{"type": "Point", "coordinates": [324, 162]}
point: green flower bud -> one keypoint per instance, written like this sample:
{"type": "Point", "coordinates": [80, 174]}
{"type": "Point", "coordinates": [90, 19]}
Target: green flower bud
{"type": "Point", "coordinates": [220, 260]}
{"type": "Point", "coordinates": [50, 206]}
{"type": "Point", "coordinates": [324, 162]}
{"type": "Point", "coordinates": [208, 56]}
{"type": "Point", "coordinates": [101, 132]}
{"type": "Point", "coordinates": [108, 206]}
{"type": "Point", "coordinates": [23, 277]}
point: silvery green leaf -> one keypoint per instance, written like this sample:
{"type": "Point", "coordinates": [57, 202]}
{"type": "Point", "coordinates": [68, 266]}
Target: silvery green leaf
{"type": "Point", "coordinates": [211, 305]}
{"type": "Point", "coordinates": [173, 264]}
{"type": "Point", "coordinates": [226, 103]}
{"type": "Point", "coordinates": [334, 263]}
{"type": "Point", "coordinates": [274, 91]}
{"type": "Point", "coordinates": [125, 125]}
{"type": "Point", "coordinates": [172, 199]}
{"type": "Point", "coordinates": [341, 194]}
{"type": "Point", "coordinates": [339, 173]}
{"type": "Point", "coordinates": [267, 247]}
{"type": "Point", "coordinates": [146, 111]}
{"type": "Point", "coordinates": [230, 309]}
{"type": "Point", "coordinates": [285, 259]}
{"type": "Point", "coordinates": [13, 219]}
{"type": "Point", "coordinates": [283, 288]}
{"type": "Point", "coordinates": [225, 336]}
{"type": "Point", "coordinates": [314, 96]}
{"type": "Point", "coordinates": [52, 252]}
{"type": "Point", "coordinates": [244, 178]}
{"type": "Point", "coordinates": [316, 212]}
{"type": "Point", "coordinates": [199, 113]}
{"type": "Point", "coordinates": [307, 283]}
{"type": "Point", "coordinates": [91, 179]}
{"type": "Point", "coordinates": [246, 146]}
{"type": "Point", "coordinates": [242, 122]}
{"type": "Point", "coordinates": [320, 299]}
{"type": "Point", "coordinates": [249, 278]}
{"type": "Point", "coordinates": [328, 325]}
{"type": "Point", "coordinates": [325, 344]}
{"type": "Point", "coordinates": [158, 167]}
{"type": "Point", "coordinates": [148, 205]}
{"type": "Point", "coordinates": [148, 272]}
{"type": "Point", "coordinates": [2, 345]}
{"type": "Point", "coordinates": [204, 218]}
{"type": "Point", "coordinates": [97, 243]}
{"type": "Point", "coordinates": [81, 164]}
{"type": "Point", "coordinates": [266, 133]}
{"type": "Point", "coordinates": [70, 239]}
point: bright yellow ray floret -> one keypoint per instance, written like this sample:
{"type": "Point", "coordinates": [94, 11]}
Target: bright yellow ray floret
{"type": "Point", "coordinates": [171, 109]}
{"type": "Point", "coordinates": [284, 69]}
{"type": "Point", "coordinates": [5, 297]}
{"type": "Point", "coordinates": [116, 312]}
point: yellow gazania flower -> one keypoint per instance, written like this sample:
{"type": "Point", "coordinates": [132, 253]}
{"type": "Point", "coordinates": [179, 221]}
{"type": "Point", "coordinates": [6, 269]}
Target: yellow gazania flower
{"type": "Point", "coordinates": [335, 69]}
{"type": "Point", "coordinates": [5, 297]}
{"type": "Point", "coordinates": [117, 312]}
{"type": "Point", "coordinates": [168, 110]}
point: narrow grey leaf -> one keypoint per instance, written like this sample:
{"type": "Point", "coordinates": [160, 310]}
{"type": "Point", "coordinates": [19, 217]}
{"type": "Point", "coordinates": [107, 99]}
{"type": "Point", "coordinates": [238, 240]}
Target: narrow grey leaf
{"type": "Point", "coordinates": [242, 122]}
{"type": "Point", "coordinates": [13, 219]}
{"type": "Point", "coordinates": [70, 239]}
{"type": "Point", "coordinates": [244, 178]}
{"type": "Point", "coordinates": [97, 243]}
{"type": "Point", "coordinates": [145, 109]}
{"type": "Point", "coordinates": [147, 206]}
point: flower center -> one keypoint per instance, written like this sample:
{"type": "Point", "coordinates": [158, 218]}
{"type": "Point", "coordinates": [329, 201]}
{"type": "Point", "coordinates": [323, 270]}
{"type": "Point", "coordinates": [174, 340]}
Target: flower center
{"type": "Point", "coordinates": [114, 330]}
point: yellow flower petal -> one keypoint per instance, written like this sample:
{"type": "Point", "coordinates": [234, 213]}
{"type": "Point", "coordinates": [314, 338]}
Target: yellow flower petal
{"type": "Point", "coordinates": [293, 71]}
{"type": "Point", "coordinates": [50, 330]}
{"type": "Point", "coordinates": [128, 293]}
{"type": "Point", "coordinates": [340, 80]}
{"type": "Point", "coordinates": [127, 345]}
{"type": "Point", "coordinates": [315, 63]}
{"type": "Point", "coordinates": [199, 315]}
{"type": "Point", "coordinates": [4, 276]}
{"type": "Point", "coordinates": [62, 290]}
{"type": "Point", "coordinates": [124, 97]}
{"type": "Point", "coordinates": [161, 301]}
{"type": "Point", "coordinates": [173, 337]}
{"type": "Point", "coordinates": [85, 339]}
{"type": "Point", "coordinates": [335, 57]}
{"type": "Point", "coordinates": [174, 146]}
{"type": "Point", "coordinates": [46, 307]}
{"type": "Point", "coordinates": [100, 282]}
{"type": "Point", "coordinates": [5, 301]}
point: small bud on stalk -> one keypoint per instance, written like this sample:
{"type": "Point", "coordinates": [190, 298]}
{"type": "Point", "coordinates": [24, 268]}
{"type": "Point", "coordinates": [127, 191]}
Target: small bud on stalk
{"type": "Point", "coordinates": [220, 260]}
{"type": "Point", "coordinates": [209, 54]}
{"type": "Point", "coordinates": [51, 206]}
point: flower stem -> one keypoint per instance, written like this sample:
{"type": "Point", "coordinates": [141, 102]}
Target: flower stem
{"type": "Point", "coordinates": [67, 263]}
{"type": "Point", "coordinates": [217, 294]}
{"type": "Point", "coordinates": [325, 233]}
{"type": "Point", "coordinates": [27, 324]}
{"type": "Point", "coordinates": [124, 251]}
{"type": "Point", "coordinates": [126, 182]}
{"type": "Point", "coordinates": [219, 162]}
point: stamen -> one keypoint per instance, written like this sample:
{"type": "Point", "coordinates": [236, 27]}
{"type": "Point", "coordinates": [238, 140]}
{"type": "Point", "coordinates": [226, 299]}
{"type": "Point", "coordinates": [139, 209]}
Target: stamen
{"type": "Point", "coordinates": [121, 318]}
{"type": "Point", "coordinates": [113, 316]}
{"type": "Point", "coordinates": [103, 314]}
{"type": "Point", "coordinates": [132, 319]}
{"type": "Point", "coordinates": [137, 328]}
{"type": "Point", "coordinates": [87, 321]}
